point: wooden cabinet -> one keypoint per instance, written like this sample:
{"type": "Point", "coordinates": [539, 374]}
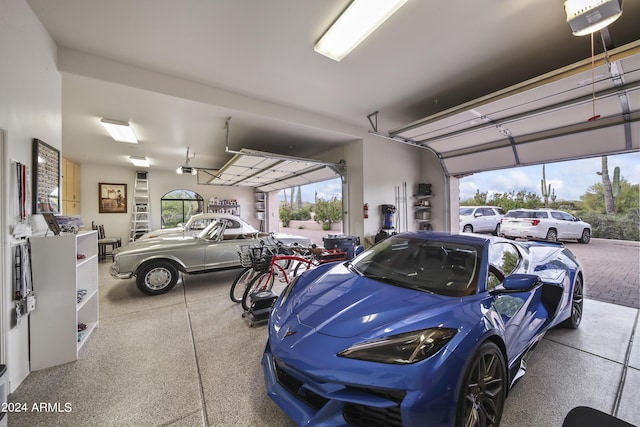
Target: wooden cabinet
{"type": "Point", "coordinates": [65, 281]}
{"type": "Point", "coordinates": [70, 187]}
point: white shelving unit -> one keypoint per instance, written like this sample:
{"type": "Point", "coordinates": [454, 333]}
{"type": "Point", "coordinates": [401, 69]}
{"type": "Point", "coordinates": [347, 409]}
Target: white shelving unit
{"type": "Point", "coordinates": [261, 209]}
{"type": "Point", "coordinates": [58, 274]}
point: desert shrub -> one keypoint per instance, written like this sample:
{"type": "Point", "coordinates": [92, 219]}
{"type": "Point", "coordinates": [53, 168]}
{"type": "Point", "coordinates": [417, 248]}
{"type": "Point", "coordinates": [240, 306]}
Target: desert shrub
{"type": "Point", "coordinates": [618, 226]}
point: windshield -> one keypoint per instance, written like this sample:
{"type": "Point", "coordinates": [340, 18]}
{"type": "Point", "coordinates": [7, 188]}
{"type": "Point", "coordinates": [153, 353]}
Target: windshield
{"type": "Point", "coordinates": [440, 267]}
{"type": "Point", "coordinates": [466, 211]}
{"type": "Point", "coordinates": [213, 231]}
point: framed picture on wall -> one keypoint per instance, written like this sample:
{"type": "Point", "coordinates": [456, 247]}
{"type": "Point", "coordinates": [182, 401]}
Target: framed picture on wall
{"type": "Point", "coordinates": [112, 198]}
{"type": "Point", "coordinates": [46, 178]}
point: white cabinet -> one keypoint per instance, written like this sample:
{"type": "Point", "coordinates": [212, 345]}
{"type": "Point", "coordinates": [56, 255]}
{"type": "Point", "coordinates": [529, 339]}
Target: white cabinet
{"type": "Point", "coordinates": [65, 281]}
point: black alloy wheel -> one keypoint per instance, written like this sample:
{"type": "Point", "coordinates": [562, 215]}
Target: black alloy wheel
{"type": "Point", "coordinates": [577, 300]}
{"type": "Point", "coordinates": [484, 389]}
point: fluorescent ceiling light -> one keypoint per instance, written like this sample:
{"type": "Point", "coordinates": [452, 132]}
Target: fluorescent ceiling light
{"type": "Point", "coordinates": [120, 131]}
{"type": "Point", "coordinates": [360, 19]}
{"type": "Point", "coordinates": [588, 16]}
{"type": "Point", "coordinates": [139, 161]}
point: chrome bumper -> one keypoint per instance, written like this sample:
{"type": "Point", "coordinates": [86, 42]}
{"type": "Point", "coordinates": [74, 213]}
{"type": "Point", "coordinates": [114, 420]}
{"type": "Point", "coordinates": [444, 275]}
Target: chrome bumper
{"type": "Point", "coordinates": [114, 273]}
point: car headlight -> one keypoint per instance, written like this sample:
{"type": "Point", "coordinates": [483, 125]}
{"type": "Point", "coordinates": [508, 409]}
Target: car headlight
{"type": "Point", "coordinates": [410, 347]}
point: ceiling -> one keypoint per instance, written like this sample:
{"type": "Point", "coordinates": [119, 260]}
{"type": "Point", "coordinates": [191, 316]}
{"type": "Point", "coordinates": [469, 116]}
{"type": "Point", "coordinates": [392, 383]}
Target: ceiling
{"type": "Point", "coordinates": [178, 70]}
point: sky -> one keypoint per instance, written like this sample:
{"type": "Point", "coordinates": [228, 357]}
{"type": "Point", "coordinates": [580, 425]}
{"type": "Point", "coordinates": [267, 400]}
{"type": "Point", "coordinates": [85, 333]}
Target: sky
{"type": "Point", "coordinates": [569, 179]}
{"type": "Point", "coordinates": [325, 190]}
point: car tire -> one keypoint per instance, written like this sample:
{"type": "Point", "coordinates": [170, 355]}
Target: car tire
{"type": "Point", "coordinates": [484, 387]}
{"type": "Point", "coordinates": [577, 299]}
{"type": "Point", "coordinates": [586, 236]}
{"type": "Point", "coordinates": [157, 277]}
{"type": "Point", "coordinates": [552, 235]}
{"type": "Point", "coordinates": [467, 228]}
{"type": "Point", "coordinates": [240, 284]}
{"type": "Point", "coordinates": [496, 232]}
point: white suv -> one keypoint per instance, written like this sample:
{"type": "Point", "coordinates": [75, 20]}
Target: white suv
{"type": "Point", "coordinates": [480, 219]}
{"type": "Point", "coordinates": [545, 224]}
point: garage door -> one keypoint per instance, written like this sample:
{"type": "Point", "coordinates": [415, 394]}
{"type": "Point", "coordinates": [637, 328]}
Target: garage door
{"type": "Point", "coordinates": [269, 172]}
{"type": "Point", "coordinates": [579, 111]}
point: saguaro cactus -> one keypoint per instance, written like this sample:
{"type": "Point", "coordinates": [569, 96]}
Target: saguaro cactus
{"type": "Point", "coordinates": [546, 189]}
{"type": "Point", "coordinates": [615, 185]}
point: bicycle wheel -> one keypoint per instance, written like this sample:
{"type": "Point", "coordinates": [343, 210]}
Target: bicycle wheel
{"type": "Point", "coordinates": [301, 267]}
{"type": "Point", "coordinates": [261, 283]}
{"type": "Point", "coordinates": [284, 263]}
{"type": "Point", "coordinates": [240, 283]}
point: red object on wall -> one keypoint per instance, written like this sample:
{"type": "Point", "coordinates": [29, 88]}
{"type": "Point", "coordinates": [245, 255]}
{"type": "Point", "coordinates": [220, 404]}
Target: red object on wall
{"type": "Point", "coordinates": [366, 210]}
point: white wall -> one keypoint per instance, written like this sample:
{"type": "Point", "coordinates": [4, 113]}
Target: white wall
{"type": "Point", "coordinates": [160, 183]}
{"type": "Point", "coordinates": [30, 107]}
{"type": "Point", "coordinates": [389, 164]}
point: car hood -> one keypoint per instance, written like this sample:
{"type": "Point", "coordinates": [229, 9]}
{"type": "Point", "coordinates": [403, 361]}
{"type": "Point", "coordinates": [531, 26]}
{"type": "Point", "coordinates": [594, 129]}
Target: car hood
{"type": "Point", "coordinates": [161, 243]}
{"type": "Point", "coordinates": [343, 304]}
{"type": "Point", "coordinates": [164, 232]}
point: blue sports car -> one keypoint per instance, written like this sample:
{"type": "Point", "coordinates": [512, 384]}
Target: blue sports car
{"type": "Point", "coordinates": [424, 328]}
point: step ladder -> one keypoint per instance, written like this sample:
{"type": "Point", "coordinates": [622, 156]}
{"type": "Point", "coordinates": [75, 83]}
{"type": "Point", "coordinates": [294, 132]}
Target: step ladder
{"type": "Point", "coordinates": [141, 220]}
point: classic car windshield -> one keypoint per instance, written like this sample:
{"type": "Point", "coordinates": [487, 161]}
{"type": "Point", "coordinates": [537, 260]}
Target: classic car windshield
{"type": "Point", "coordinates": [213, 231]}
{"type": "Point", "coordinates": [440, 267]}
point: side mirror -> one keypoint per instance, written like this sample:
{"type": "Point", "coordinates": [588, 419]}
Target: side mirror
{"type": "Point", "coordinates": [477, 214]}
{"type": "Point", "coordinates": [517, 283]}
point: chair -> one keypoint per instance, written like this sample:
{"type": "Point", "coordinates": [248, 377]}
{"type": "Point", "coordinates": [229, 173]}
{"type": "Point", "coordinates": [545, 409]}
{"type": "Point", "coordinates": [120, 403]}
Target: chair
{"type": "Point", "coordinates": [106, 245]}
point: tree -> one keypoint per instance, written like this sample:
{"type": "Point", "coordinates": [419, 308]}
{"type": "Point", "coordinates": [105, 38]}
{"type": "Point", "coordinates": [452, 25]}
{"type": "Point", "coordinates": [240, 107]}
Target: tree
{"type": "Point", "coordinates": [479, 199]}
{"type": "Point", "coordinates": [328, 211]}
{"type": "Point", "coordinates": [626, 200]}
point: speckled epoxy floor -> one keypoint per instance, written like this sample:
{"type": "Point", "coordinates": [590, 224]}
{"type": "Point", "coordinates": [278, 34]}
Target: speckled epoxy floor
{"type": "Point", "coordinates": [188, 358]}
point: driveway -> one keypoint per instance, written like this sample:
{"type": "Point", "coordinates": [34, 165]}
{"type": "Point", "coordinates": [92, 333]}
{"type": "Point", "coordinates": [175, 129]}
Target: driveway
{"type": "Point", "coordinates": [612, 267]}
{"type": "Point", "coordinates": [612, 270]}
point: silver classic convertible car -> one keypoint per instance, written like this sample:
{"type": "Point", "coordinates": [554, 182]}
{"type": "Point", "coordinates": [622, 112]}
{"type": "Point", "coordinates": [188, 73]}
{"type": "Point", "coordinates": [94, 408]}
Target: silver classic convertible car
{"type": "Point", "coordinates": [157, 262]}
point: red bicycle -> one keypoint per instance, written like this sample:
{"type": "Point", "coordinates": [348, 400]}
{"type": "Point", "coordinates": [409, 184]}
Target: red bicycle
{"type": "Point", "coordinates": [268, 267]}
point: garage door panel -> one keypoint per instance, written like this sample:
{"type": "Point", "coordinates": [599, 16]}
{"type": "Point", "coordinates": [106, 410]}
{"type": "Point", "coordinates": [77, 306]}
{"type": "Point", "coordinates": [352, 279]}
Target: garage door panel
{"type": "Point", "coordinates": [553, 93]}
{"type": "Point", "coordinates": [467, 140]}
{"type": "Point", "coordinates": [583, 144]}
{"type": "Point", "coordinates": [575, 114]}
{"type": "Point", "coordinates": [492, 159]}
{"type": "Point", "coordinates": [635, 135]}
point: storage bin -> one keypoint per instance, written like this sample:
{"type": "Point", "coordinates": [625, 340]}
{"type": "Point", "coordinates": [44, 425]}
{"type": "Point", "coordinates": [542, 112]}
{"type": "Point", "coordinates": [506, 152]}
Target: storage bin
{"type": "Point", "coordinates": [346, 244]}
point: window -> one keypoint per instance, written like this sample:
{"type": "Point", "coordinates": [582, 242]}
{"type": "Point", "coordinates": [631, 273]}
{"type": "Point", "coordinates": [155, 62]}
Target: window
{"type": "Point", "coordinates": [557, 215]}
{"type": "Point", "coordinates": [178, 206]}
{"type": "Point", "coordinates": [505, 258]}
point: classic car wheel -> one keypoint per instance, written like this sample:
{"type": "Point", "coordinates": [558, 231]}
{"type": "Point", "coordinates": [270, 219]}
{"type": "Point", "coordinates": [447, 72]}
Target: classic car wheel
{"type": "Point", "coordinates": [240, 284]}
{"type": "Point", "coordinates": [552, 235]}
{"type": "Point", "coordinates": [483, 390]}
{"type": "Point", "coordinates": [467, 229]}
{"type": "Point", "coordinates": [577, 299]}
{"type": "Point", "coordinates": [586, 236]}
{"type": "Point", "coordinates": [157, 277]}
